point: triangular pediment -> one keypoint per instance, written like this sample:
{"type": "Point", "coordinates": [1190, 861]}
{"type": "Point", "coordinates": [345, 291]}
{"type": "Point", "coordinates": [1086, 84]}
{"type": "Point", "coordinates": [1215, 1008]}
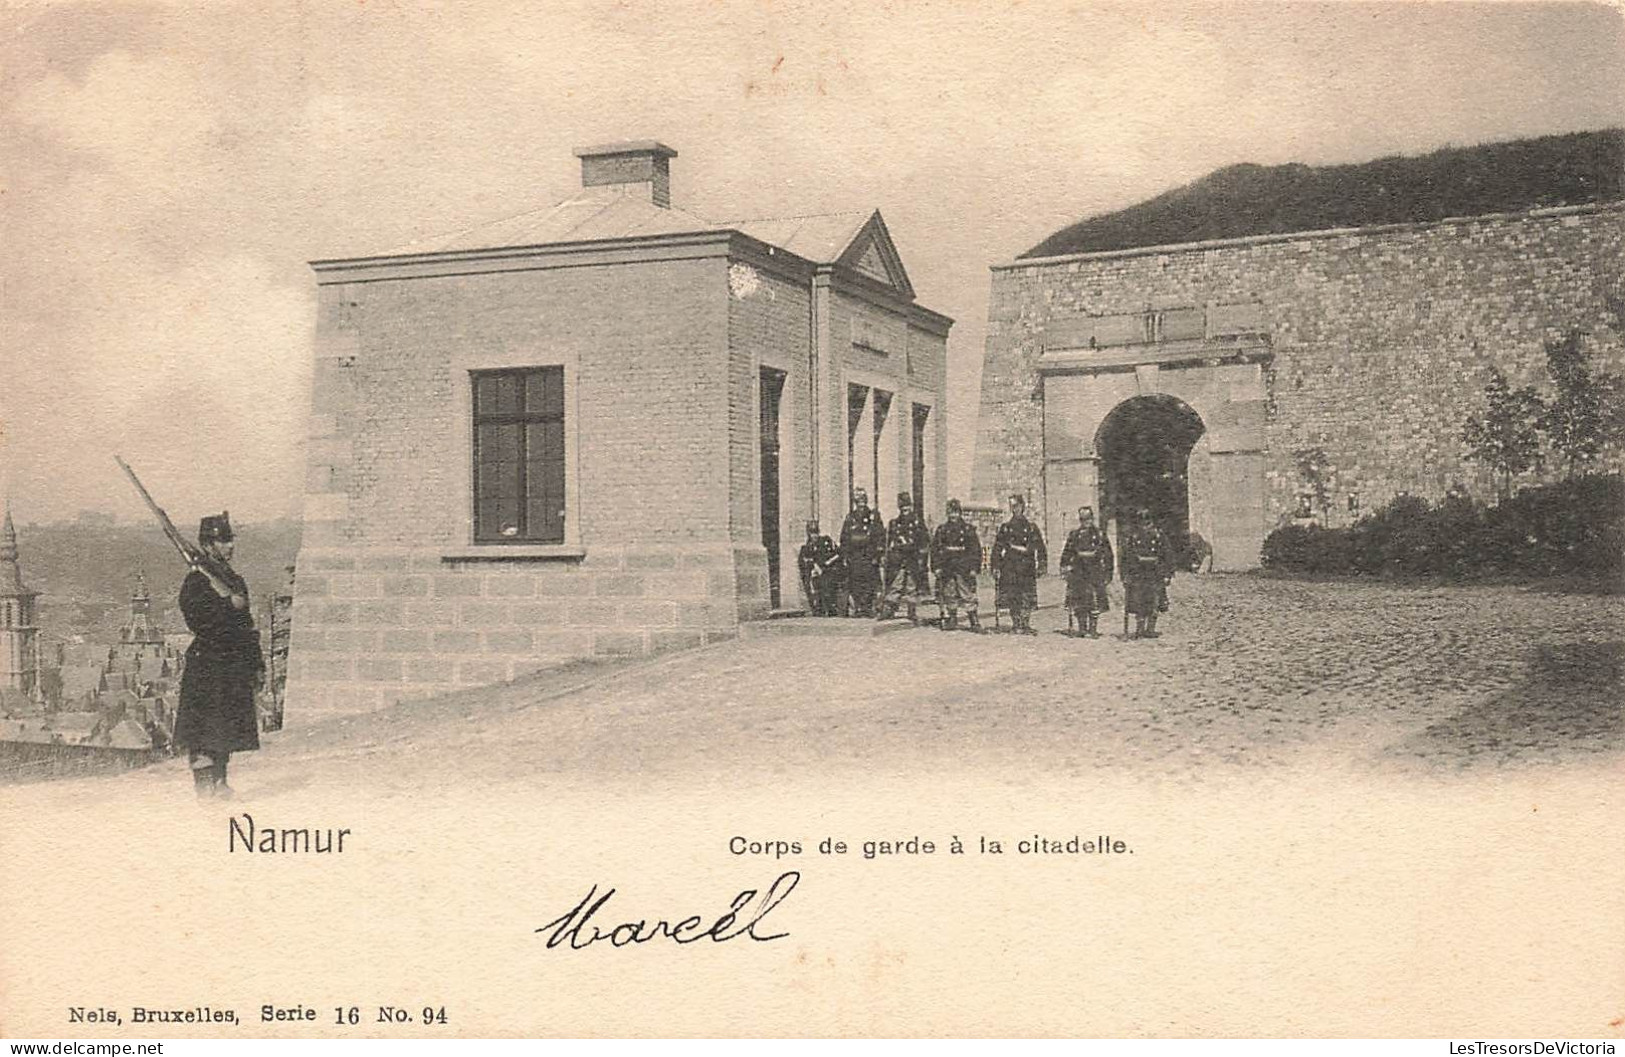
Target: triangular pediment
{"type": "Point", "coordinates": [873, 254]}
{"type": "Point", "coordinates": [872, 265]}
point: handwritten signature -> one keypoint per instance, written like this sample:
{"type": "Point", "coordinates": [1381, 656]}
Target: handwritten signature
{"type": "Point", "coordinates": [576, 928]}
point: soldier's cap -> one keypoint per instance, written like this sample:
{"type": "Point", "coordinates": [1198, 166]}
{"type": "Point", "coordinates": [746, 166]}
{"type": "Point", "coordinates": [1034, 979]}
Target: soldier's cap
{"type": "Point", "coordinates": [953, 506]}
{"type": "Point", "coordinates": [904, 499]}
{"type": "Point", "coordinates": [1082, 510]}
{"type": "Point", "coordinates": [812, 526]}
{"type": "Point", "coordinates": [860, 492]}
{"type": "Point", "coordinates": [1018, 499]}
{"type": "Point", "coordinates": [215, 528]}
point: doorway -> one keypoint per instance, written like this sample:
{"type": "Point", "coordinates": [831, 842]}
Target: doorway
{"type": "Point", "coordinates": [1144, 447]}
{"type": "Point", "coordinates": [772, 396]}
{"type": "Point", "coordinates": [919, 441]}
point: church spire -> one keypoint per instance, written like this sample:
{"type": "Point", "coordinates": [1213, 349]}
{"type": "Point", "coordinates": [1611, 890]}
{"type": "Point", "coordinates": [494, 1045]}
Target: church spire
{"type": "Point", "coordinates": [11, 574]}
{"type": "Point", "coordinates": [139, 628]}
{"type": "Point", "coordinates": [19, 637]}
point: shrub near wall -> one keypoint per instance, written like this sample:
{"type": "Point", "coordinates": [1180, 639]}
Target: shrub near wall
{"type": "Point", "coordinates": [1574, 529]}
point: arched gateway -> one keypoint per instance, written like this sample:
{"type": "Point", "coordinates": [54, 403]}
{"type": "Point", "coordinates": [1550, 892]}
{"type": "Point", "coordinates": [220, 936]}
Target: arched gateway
{"type": "Point", "coordinates": [1177, 428]}
{"type": "Point", "coordinates": [1145, 451]}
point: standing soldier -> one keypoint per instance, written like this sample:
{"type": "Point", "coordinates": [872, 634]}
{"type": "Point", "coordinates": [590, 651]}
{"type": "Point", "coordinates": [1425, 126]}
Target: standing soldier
{"type": "Point", "coordinates": [956, 555]}
{"type": "Point", "coordinates": [223, 664]}
{"type": "Point", "coordinates": [1086, 562]}
{"type": "Point", "coordinates": [863, 545]}
{"type": "Point", "coordinates": [1019, 559]}
{"type": "Point", "coordinates": [907, 543]}
{"type": "Point", "coordinates": [819, 582]}
{"type": "Point", "coordinates": [1148, 565]}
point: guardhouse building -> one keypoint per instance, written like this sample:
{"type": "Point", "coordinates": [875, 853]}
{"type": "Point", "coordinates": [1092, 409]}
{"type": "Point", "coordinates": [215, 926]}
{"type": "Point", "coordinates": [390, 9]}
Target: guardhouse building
{"type": "Point", "coordinates": [595, 429]}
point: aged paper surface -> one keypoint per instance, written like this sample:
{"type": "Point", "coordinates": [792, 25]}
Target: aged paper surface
{"type": "Point", "coordinates": [1348, 812]}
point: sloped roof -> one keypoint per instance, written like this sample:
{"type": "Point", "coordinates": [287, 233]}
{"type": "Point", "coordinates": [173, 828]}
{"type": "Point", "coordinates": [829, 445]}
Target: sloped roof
{"type": "Point", "coordinates": [129, 734]}
{"type": "Point", "coordinates": [819, 238]}
{"type": "Point", "coordinates": [591, 216]}
{"type": "Point", "coordinates": [1243, 200]}
{"type": "Point", "coordinates": [31, 729]}
{"type": "Point", "coordinates": [603, 214]}
{"type": "Point", "coordinates": [80, 679]}
{"type": "Point", "coordinates": [74, 726]}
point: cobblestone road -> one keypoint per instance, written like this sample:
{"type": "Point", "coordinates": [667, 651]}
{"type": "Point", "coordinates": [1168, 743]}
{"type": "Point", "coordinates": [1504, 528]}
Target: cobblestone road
{"type": "Point", "coordinates": [1344, 792]}
{"type": "Point", "coordinates": [1250, 672]}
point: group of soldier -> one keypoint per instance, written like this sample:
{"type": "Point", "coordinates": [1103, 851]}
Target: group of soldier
{"type": "Point", "coordinates": [877, 568]}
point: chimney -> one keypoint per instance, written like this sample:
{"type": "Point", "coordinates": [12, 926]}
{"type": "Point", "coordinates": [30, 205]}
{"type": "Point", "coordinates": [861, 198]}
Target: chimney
{"type": "Point", "coordinates": [635, 167]}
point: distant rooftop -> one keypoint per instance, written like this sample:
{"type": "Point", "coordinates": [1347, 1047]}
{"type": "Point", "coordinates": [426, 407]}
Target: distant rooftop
{"type": "Point", "coordinates": [1564, 170]}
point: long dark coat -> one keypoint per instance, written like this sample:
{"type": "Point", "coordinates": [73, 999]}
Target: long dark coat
{"type": "Point", "coordinates": [1088, 564]}
{"type": "Point", "coordinates": [863, 544]}
{"type": "Point", "coordinates": [1019, 559]}
{"type": "Point", "coordinates": [956, 555]}
{"type": "Point", "coordinates": [1146, 565]}
{"type": "Point", "coordinates": [223, 666]}
{"type": "Point", "coordinates": [956, 551]}
{"type": "Point", "coordinates": [908, 545]}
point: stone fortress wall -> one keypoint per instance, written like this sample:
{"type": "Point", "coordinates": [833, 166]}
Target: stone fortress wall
{"type": "Point", "coordinates": [1373, 344]}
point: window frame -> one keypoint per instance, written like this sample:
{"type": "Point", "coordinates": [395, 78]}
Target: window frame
{"type": "Point", "coordinates": [524, 419]}
{"type": "Point", "coordinates": [462, 545]}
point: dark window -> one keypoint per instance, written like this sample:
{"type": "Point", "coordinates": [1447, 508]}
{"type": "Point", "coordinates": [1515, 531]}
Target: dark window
{"type": "Point", "coordinates": [857, 398]}
{"type": "Point", "coordinates": [772, 394]}
{"type": "Point", "coordinates": [519, 456]}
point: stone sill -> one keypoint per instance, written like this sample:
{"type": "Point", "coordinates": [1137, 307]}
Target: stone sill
{"type": "Point", "coordinates": [551, 552]}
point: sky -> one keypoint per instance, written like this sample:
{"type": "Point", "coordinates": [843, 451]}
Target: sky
{"type": "Point", "coordinates": [170, 168]}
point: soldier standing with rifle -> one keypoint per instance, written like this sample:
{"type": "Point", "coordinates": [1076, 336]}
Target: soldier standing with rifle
{"type": "Point", "coordinates": [1086, 562]}
{"type": "Point", "coordinates": [863, 544]}
{"type": "Point", "coordinates": [1019, 559]}
{"type": "Point", "coordinates": [907, 542]}
{"type": "Point", "coordinates": [224, 665]}
{"type": "Point", "coordinates": [216, 716]}
{"type": "Point", "coordinates": [1148, 565]}
{"type": "Point", "coordinates": [956, 555]}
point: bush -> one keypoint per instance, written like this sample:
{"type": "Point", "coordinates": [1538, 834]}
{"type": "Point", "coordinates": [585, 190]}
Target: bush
{"type": "Point", "coordinates": [1396, 539]}
{"type": "Point", "coordinates": [1308, 549]}
{"type": "Point", "coordinates": [1576, 528]}
{"type": "Point", "coordinates": [1289, 548]}
{"type": "Point", "coordinates": [1572, 529]}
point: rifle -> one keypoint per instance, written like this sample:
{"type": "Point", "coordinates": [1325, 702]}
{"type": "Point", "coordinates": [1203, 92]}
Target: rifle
{"type": "Point", "coordinates": [189, 551]}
